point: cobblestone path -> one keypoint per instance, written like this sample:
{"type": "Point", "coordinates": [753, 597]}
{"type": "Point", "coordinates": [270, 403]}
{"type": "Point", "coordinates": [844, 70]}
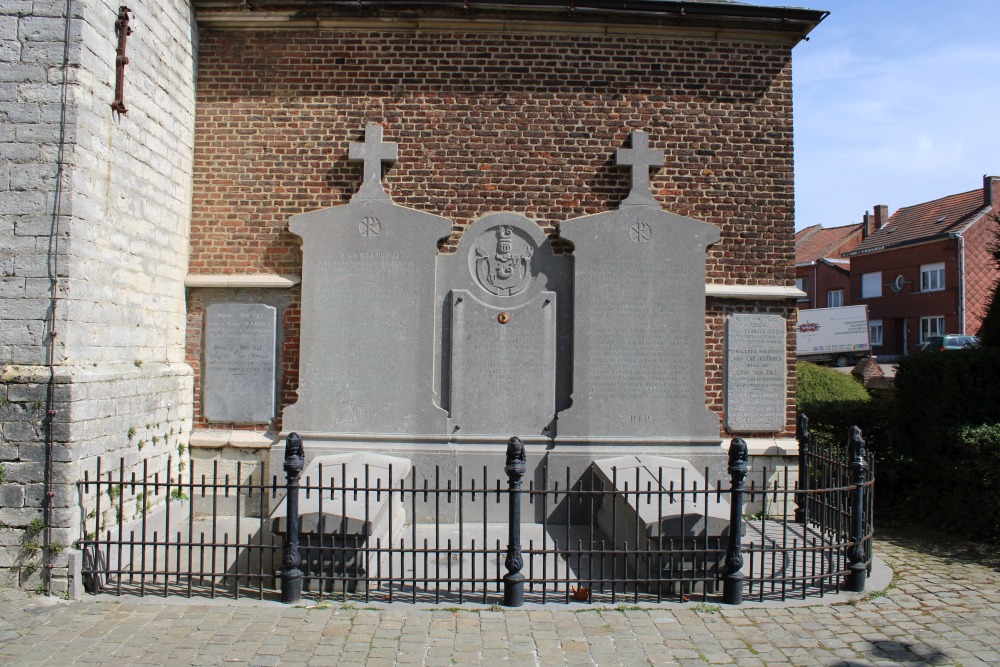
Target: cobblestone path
{"type": "Point", "coordinates": [943, 608]}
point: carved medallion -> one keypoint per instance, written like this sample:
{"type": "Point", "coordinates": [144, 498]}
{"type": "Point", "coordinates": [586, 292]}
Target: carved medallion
{"type": "Point", "coordinates": [369, 226]}
{"type": "Point", "coordinates": [503, 260]}
{"type": "Point", "coordinates": [640, 232]}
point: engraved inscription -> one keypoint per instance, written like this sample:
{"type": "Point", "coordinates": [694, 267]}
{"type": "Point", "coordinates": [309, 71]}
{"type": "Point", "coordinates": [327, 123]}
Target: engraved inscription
{"type": "Point", "coordinates": [755, 372]}
{"type": "Point", "coordinates": [630, 357]}
{"type": "Point", "coordinates": [363, 347]}
{"type": "Point", "coordinates": [239, 362]}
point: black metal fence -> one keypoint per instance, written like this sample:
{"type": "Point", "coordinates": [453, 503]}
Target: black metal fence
{"type": "Point", "coordinates": [586, 537]}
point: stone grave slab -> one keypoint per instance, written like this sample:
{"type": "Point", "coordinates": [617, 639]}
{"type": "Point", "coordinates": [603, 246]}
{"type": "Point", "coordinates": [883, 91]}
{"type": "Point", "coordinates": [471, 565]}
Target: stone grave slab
{"type": "Point", "coordinates": [366, 359]}
{"type": "Point", "coordinates": [504, 334]}
{"type": "Point", "coordinates": [362, 514]}
{"type": "Point", "coordinates": [337, 524]}
{"type": "Point", "coordinates": [755, 397]}
{"type": "Point", "coordinates": [239, 371]}
{"type": "Point", "coordinates": [651, 523]}
{"type": "Point", "coordinates": [639, 319]}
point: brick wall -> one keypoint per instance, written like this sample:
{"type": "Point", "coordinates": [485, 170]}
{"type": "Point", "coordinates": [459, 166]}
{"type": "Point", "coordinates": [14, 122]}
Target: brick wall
{"type": "Point", "coordinates": [491, 122]}
{"type": "Point", "coordinates": [118, 246]}
{"type": "Point", "coordinates": [981, 271]}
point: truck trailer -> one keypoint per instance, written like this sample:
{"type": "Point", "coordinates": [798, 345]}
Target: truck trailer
{"type": "Point", "coordinates": [837, 335]}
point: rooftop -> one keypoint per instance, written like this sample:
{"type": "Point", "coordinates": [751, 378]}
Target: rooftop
{"type": "Point", "coordinates": [922, 222]}
{"type": "Point", "coordinates": [816, 242]}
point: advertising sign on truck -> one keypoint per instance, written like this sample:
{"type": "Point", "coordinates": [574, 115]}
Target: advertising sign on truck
{"type": "Point", "coordinates": [839, 335]}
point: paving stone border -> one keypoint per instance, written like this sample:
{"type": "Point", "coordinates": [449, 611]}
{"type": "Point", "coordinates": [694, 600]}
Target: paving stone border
{"type": "Point", "coordinates": [941, 608]}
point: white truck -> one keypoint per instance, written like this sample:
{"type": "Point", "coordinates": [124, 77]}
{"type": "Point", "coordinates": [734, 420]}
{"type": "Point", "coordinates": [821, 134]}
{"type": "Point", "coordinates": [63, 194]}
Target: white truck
{"type": "Point", "coordinates": [839, 335]}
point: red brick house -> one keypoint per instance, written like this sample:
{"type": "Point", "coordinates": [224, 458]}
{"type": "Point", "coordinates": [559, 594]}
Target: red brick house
{"type": "Point", "coordinates": [822, 270]}
{"type": "Point", "coordinates": [927, 269]}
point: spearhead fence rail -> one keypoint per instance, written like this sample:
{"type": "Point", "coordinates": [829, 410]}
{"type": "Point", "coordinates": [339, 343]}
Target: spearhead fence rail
{"type": "Point", "coordinates": [555, 536]}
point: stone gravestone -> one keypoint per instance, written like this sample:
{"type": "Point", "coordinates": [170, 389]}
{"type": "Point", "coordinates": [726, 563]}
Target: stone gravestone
{"type": "Point", "coordinates": [639, 319]}
{"type": "Point", "coordinates": [501, 318]}
{"type": "Point", "coordinates": [239, 362]}
{"type": "Point", "coordinates": [367, 311]}
{"type": "Point", "coordinates": [650, 512]}
{"type": "Point", "coordinates": [755, 372]}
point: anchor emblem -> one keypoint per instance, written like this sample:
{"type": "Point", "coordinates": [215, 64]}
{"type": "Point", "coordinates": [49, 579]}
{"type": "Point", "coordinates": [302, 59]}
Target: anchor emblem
{"type": "Point", "coordinates": [505, 273]}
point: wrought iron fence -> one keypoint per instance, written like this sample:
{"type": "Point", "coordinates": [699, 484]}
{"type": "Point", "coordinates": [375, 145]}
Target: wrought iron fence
{"type": "Point", "coordinates": [584, 537]}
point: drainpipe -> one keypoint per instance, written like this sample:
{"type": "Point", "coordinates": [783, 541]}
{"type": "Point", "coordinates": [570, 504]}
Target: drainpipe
{"type": "Point", "coordinates": [961, 283]}
{"type": "Point", "coordinates": [815, 289]}
{"type": "Point", "coordinates": [53, 275]}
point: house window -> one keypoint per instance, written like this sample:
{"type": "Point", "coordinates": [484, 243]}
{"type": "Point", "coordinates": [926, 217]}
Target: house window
{"type": "Point", "coordinates": [875, 332]}
{"type": "Point", "coordinates": [871, 285]}
{"type": "Point", "coordinates": [835, 298]}
{"type": "Point", "coordinates": [931, 326]}
{"type": "Point", "coordinates": [803, 284]}
{"type": "Point", "coordinates": [932, 277]}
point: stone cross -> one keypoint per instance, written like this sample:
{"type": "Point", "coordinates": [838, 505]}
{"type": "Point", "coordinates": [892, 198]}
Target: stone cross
{"type": "Point", "coordinates": [640, 158]}
{"type": "Point", "coordinates": [373, 152]}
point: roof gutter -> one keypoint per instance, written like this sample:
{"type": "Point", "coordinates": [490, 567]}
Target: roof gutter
{"type": "Point", "coordinates": [258, 13]}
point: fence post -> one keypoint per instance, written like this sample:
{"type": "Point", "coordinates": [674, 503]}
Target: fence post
{"type": "Point", "coordinates": [802, 497]}
{"type": "Point", "coordinates": [291, 575]}
{"type": "Point", "coordinates": [513, 581]}
{"type": "Point", "coordinates": [857, 568]}
{"type": "Point", "coordinates": [739, 466]}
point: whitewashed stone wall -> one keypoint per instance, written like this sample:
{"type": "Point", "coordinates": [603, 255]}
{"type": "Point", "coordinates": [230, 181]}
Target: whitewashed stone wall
{"type": "Point", "coordinates": [121, 388]}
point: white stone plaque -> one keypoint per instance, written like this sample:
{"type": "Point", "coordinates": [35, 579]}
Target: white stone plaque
{"type": "Point", "coordinates": [239, 384]}
{"type": "Point", "coordinates": [755, 373]}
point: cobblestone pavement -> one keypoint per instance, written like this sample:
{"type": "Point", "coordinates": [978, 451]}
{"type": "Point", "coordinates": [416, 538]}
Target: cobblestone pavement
{"type": "Point", "coordinates": [943, 608]}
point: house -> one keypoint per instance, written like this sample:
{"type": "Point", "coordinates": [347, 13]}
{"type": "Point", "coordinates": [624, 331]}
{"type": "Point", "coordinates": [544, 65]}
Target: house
{"type": "Point", "coordinates": [927, 269]}
{"type": "Point", "coordinates": [822, 270]}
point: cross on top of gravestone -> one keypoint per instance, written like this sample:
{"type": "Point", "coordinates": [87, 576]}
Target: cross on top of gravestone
{"type": "Point", "coordinates": [373, 152]}
{"type": "Point", "coordinates": [640, 158]}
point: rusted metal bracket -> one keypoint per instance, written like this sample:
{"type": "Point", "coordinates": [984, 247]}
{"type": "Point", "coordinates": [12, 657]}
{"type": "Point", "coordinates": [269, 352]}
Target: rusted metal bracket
{"type": "Point", "coordinates": [122, 30]}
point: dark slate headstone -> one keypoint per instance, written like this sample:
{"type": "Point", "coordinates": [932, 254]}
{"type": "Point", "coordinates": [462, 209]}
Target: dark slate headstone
{"type": "Point", "coordinates": [500, 346]}
{"type": "Point", "coordinates": [755, 372]}
{"type": "Point", "coordinates": [639, 319]}
{"type": "Point", "coordinates": [366, 358]}
{"type": "Point", "coordinates": [239, 362]}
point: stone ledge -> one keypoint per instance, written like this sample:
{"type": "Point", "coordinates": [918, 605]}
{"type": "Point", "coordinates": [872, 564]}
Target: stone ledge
{"type": "Point", "coordinates": [217, 439]}
{"type": "Point", "coordinates": [764, 292]}
{"type": "Point", "coordinates": [267, 280]}
{"type": "Point", "coordinates": [75, 374]}
{"type": "Point", "coordinates": [242, 280]}
{"type": "Point", "coordinates": [772, 446]}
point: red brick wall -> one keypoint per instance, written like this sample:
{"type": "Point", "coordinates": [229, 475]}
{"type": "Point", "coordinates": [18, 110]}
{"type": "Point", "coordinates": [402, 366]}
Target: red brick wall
{"type": "Point", "coordinates": [909, 303]}
{"type": "Point", "coordinates": [981, 273]}
{"type": "Point", "coordinates": [490, 122]}
{"type": "Point", "coordinates": [823, 278]}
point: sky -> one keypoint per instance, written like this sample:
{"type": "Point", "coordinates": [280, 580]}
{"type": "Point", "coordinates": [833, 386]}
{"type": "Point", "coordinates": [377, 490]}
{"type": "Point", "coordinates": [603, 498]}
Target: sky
{"type": "Point", "coordinates": [896, 102]}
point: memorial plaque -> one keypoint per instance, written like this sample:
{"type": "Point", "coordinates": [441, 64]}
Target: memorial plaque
{"type": "Point", "coordinates": [503, 366]}
{"type": "Point", "coordinates": [239, 362]}
{"type": "Point", "coordinates": [504, 331]}
{"type": "Point", "coordinates": [366, 351]}
{"type": "Point", "coordinates": [755, 372]}
{"type": "Point", "coordinates": [639, 320]}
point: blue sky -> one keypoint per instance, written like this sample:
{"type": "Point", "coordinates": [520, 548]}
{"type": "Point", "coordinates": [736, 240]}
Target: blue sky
{"type": "Point", "coordinates": [896, 102]}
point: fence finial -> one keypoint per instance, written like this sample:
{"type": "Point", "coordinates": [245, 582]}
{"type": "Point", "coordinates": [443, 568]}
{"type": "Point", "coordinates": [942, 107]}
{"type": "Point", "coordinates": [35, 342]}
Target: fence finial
{"type": "Point", "coordinates": [513, 581]}
{"type": "Point", "coordinates": [291, 575]}
{"type": "Point", "coordinates": [739, 466]}
{"type": "Point", "coordinates": [856, 557]}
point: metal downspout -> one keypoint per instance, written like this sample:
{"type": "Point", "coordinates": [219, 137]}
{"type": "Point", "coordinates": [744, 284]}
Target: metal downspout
{"type": "Point", "coordinates": [961, 283]}
{"type": "Point", "coordinates": [53, 275]}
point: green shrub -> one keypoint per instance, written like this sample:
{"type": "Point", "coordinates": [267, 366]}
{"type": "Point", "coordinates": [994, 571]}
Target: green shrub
{"type": "Point", "coordinates": [818, 385]}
